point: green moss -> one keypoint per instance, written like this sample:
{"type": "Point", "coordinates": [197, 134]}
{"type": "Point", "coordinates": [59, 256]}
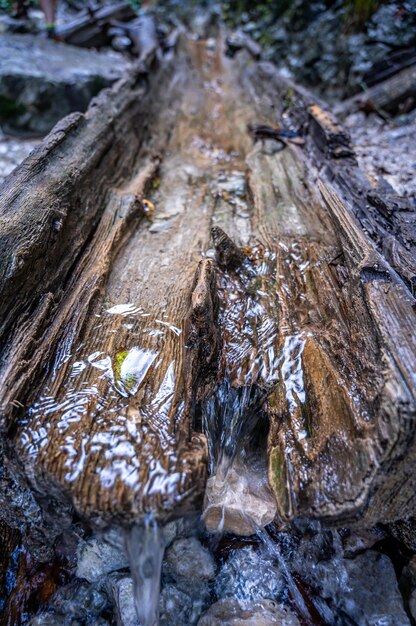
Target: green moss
{"type": "Point", "coordinates": [278, 474]}
{"type": "Point", "coordinates": [119, 360]}
{"type": "Point", "coordinates": [288, 98]}
{"type": "Point", "coordinates": [128, 380]}
{"type": "Point", "coordinates": [155, 182]}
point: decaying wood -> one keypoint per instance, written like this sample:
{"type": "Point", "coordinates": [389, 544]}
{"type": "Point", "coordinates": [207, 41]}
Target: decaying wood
{"type": "Point", "coordinates": [397, 93]}
{"type": "Point", "coordinates": [91, 26]}
{"type": "Point", "coordinates": [392, 63]}
{"type": "Point", "coordinates": [320, 478]}
{"type": "Point", "coordinates": [126, 337]}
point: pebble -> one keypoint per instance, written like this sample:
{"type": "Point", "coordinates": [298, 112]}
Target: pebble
{"type": "Point", "coordinates": [97, 557]}
{"type": "Point", "coordinates": [79, 600]}
{"type": "Point", "coordinates": [175, 607]}
{"type": "Point", "coordinates": [187, 558]}
{"type": "Point", "coordinates": [120, 588]}
{"type": "Point", "coordinates": [230, 612]}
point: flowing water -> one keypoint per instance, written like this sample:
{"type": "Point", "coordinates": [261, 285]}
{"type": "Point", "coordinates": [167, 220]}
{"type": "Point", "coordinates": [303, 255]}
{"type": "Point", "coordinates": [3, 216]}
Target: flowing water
{"type": "Point", "coordinates": [112, 426]}
{"type": "Point", "coordinates": [145, 548]}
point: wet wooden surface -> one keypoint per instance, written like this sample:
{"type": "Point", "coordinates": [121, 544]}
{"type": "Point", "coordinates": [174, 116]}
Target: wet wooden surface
{"type": "Point", "coordinates": [313, 328]}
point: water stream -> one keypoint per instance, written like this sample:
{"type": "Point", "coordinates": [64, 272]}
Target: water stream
{"type": "Point", "coordinates": [145, 548]}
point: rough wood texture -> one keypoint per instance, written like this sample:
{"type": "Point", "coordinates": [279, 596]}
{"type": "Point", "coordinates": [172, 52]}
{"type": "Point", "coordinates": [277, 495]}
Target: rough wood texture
{"type": "Point", "coordinates": [347, 468]}
{"type": "Point", "coordinates": [90, 27]}
{"type": "Point", "coordinates": [301, 322]}
{"type": "Point", "coordinates": [391, 95]}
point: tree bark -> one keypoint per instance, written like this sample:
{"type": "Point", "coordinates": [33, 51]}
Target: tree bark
{"type": "Point", "coordinates": [114, 351]}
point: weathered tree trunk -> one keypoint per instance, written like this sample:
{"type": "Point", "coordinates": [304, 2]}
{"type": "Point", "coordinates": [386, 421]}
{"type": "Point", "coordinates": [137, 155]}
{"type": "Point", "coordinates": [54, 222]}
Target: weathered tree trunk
{"type": "Point", "coordinates": [390, 96]}
{"type": "Point", "coordinates": [90, 28]}
{"type": "Point", "coordinates": [114, 355]}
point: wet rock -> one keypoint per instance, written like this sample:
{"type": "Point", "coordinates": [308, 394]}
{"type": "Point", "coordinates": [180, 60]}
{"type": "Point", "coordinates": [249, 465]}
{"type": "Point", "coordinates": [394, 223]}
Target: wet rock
{"type": "Point", "coordinates": [412, 604]}
{"type": "Point", "coordinates": [175, 608]}
{"type": "Point", "coordinates": [79, 600]}
{"type": "Point", "coordinates": [188, 568]}
{"type": "Point", "coordinates": [249, 575]}
{"type": "Point", "coordinates": [51, 619]}
{"type": "Point", "coordinates": [240, 502]}
{"type": "Point", "coordinates": [407, 585]}
{"type": "Point", "coordinates": [121, 591]}
{"type": "Point", "coordinates": [55, 619]}
{"type": "Point", "coordinates": [372, 595]}
{"type": "Point", "coordinates": [405, 532]}
{"type": "Point", "coordinates": [319, 561]}
{"type": "Point", "coordinates": [98, 557]}
{"type": "Point", "coordinates": [39, 526]}
{"type": "Point", "coordinates": [230, 612]}
{"type": "Point", "coordinates": [187, 558]}
{"type": "Point", "coordinates": [41, 81]}
{"type": "Point", "coordinates": [354, 542]}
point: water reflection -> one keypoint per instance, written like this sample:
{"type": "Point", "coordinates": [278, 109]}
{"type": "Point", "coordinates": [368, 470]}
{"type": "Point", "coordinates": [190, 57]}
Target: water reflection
{"type": "Point", "coordinates": [111, 408]}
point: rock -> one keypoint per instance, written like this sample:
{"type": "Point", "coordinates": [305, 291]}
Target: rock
{"type": "Point", "coordinates": [240, 503]}
{"type": "Point", "coordinates": [79, 600]}
{"type": "Point", "coordinates": [97, 557]}
{"type": "Point", "coordinates": [187, 558]}
{"type": "Point", "coordinates": [412, 604]}
{"type": "Point", "coordinates": [230, 612]}
{"type": "Point", "coordinates": [175, 608]}
{"type": "Point", "coordinates": [355, 542]}
{"type": "Point", "coordinates": [190, 567]}
{"type": "Point", "coordinates": [372, 596]}
{"type": "Point", "coordinates": [318, 561]}
{"type": "Point", "coordinates": [121, 590]}
{"type": "Point", "coordinates": [52, 619]}
{"type": "Point", "coordinates": [250, 575]}
{"type": "Point", "coordinates": [407, 585]}
{"type": "Point", "coordinates": [41, 81]}
{"type": "Point", "coordinates": [405, 532]}
{"type": "Point", "coordinates": [40, 526]}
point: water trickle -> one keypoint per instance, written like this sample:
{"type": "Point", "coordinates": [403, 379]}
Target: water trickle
{"type": "Point", "coordinates": [145, 547]}
{"type": "Point", "coordinates": [274, 550]}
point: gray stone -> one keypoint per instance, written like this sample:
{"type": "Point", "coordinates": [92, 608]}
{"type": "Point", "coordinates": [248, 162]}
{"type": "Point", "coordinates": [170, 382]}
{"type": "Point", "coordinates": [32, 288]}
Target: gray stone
{"type": "Point", "coordinates": [79, 600]}
{"type": "Point", "coordinates": [121, 590]}
{"type": "Point", "coordinates": [52, 619]}
{"type": "Point", "coordinates": [405, 531]}
{"type": "Point", "coordinates": [412, 604]}
{"type": "Point", "coordinates": [319, 561]}
{"type": "Point", "coordinates": [230, 612]}
{"type": "Point", "coordinates": [356, 542]}
{"type": "Point", "coordinates": [372, 595]}
{"type": "Point", "coordinates": [98, 557]}
{"type": "Point", "coordinates": [240, 502]}
{"type": "Point", "coordinates": [250, 575]}
{"type": "Point", "coordinates": [41, 81]}
{"type": "Point", "coordinates": [187, 558]}
{"type": "Point", "coordinates": [175, 607]}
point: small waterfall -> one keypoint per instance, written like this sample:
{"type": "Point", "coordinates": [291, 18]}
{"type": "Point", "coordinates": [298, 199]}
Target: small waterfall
{"type": "Point", "coordinates": [145, 547]}
{"type": "Point", "coordinates": [274, 550]}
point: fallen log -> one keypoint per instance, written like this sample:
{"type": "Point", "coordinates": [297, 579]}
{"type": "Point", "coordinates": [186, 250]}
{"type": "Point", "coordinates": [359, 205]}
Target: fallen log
{"type": "Point", "coordinates": [392, 63]}
{"type": "Point", "coordinates": [294, 347]}
{"type": "Point", "coordinates": [90, 27]}
{"type": "Point", "coordinates": [393, 95]}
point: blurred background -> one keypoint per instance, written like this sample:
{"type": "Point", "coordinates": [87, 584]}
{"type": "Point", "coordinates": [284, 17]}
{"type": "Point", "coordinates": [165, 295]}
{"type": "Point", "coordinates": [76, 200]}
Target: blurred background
{"type": "Point", "coordinates": [55, 55]}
